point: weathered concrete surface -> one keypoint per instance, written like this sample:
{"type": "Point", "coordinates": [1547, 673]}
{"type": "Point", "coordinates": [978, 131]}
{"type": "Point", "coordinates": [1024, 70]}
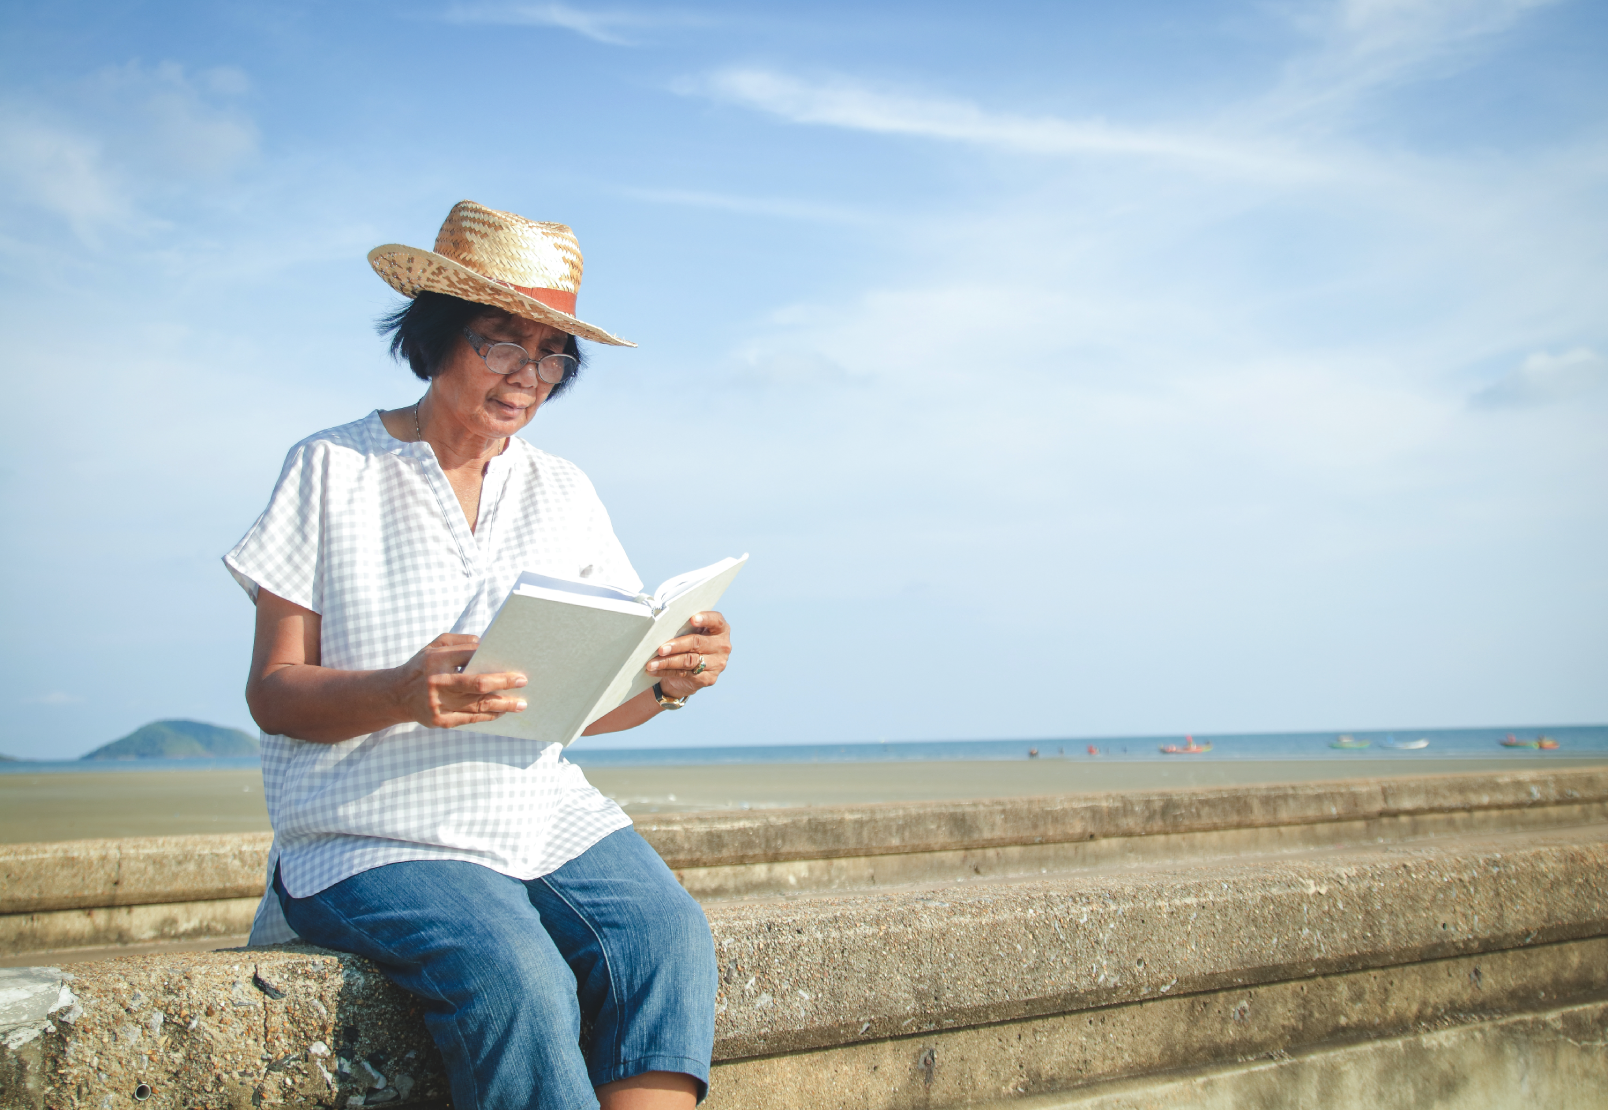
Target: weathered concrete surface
{"type": "Point", "coordinates": [1104, 973]}
{"type": "Point", "coordinates": [93, 874]}
{"type": "Point", "coordinates": [98, 873]}
{"type": "Point", "coordinates": [56, 897]}
{"type": "Point", "coordinates": [899, 869]}
{"type": "Point", "coordinates": [28, 996]}
{"type": "Point", "coordinates": [722, 839]}
{"type": "Point", "coordinates": [830, 971]}
{"type": "Point", "coordinates": [234, 1029]}
{"type": "Point", "coordinates": [1547, 1061]}
{"type": "Point", "coordinates": [126, 925]}
{"type": "Point", "coordinates": [1098, 1046]}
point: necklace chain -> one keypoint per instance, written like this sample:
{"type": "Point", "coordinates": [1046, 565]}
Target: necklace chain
{"type": "Point", "coordinates": [419, 434]}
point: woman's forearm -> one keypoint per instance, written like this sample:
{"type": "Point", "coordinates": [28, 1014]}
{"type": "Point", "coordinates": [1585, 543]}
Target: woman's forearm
{"type": "Point", "coordinates": [290, 694]}
{"type": "Point", "coordinates": [326, 706]}
{"type": "Point", "coordinates": [644, 707]}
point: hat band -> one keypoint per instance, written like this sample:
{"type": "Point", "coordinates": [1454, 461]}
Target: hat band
{"type": "Point", "coordinates": [560, 299]}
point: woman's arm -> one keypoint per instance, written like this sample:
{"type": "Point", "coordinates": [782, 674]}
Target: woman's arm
{"type": "Point", "coordinates": [677, 667]}
{"type": "Point", "coordinates": [290, 694]}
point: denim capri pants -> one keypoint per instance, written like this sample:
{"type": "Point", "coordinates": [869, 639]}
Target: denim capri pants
{"type": "Point", "coordinates": [510, 971]}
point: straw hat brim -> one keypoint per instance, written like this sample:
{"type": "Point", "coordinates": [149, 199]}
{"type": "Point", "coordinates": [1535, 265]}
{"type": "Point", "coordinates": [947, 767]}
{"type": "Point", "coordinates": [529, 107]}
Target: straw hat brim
{"type": "Point", "coordinates": [409, 270]}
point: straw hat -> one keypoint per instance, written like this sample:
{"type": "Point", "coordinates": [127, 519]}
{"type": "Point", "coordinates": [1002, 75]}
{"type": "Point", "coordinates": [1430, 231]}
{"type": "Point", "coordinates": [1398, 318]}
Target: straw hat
{"type": "Point", "coordinates": [527, 268]}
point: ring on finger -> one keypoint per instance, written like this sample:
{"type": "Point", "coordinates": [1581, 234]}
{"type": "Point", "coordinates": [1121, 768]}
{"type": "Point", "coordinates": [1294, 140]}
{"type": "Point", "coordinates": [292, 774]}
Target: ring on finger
{"type": "Point", "coordinates": [701, 667]}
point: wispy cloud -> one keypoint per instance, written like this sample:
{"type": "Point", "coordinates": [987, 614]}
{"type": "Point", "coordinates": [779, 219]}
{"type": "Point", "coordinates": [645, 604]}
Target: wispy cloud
{"type": "Point", "coordinates": [1380, 27]}
{"type": "Point", "coordinates": [860, 106]}
{"type": "Point", "coordinates": [1360, 46]}
{"type": "Point", "coordinates": [755, 206]}
{"type": "Point", "coordinates": [55, 697]}
{"type": "Point", "coordinates": [93, 154]}
{"type": "Point", "coordinates": [613, 28]}
{"type": "Point", "coordinates": [1547, 379]}
{"type": "Point", "coordinates": [47, 165]}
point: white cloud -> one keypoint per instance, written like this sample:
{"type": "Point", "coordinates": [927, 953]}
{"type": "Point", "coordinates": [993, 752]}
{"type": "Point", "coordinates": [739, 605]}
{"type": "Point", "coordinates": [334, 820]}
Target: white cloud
{"type": "Point", "coordinates": [613, 28]}
{"type": "Point", "coordinates": [1393, 25]}
{"type": "Point", "coordinates": [44, 164]}
{"type": "Point", "coordinates": [1361, 46]}
{"type": "Point", "coordinates": [98, 152]}
{"type": "Point", "coordinates": [166, 123]}
{"type": "Point", "coordinates": [855, 105]}
{"type": "Point", "coordinates": [1547, 379]}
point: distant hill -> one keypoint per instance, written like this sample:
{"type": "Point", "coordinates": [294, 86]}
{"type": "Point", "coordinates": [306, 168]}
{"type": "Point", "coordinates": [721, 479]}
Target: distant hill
{"type": "Point", "coordinates": [7, 758]}
{"type": "Point", "coordinates": [178, 740]}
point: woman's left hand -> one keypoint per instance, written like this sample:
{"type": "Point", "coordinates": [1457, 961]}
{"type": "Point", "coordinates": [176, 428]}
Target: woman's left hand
{"type": "Point", "coordinates": [676, 664]}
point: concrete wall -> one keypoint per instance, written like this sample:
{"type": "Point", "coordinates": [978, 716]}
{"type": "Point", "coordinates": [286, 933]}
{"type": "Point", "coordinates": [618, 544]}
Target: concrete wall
{"type": "Point", "coordinates": [102, 893]}
{"type": "Point", "coordinates": [1467, 968]}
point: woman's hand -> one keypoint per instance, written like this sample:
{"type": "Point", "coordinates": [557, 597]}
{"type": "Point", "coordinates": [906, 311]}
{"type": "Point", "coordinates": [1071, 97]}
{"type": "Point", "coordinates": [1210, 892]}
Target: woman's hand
{"type": "Point", "coordinates": [430, 691]}
{"type": "Point", "coordinates": [676, 663]}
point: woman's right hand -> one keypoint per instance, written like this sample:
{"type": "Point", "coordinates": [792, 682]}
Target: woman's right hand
{"type": "Point", "coordinates": [430, 691]}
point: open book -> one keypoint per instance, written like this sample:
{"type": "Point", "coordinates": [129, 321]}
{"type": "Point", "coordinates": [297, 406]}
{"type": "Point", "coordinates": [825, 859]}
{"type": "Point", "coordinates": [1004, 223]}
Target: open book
{"type": "Point", "coordinates": [583, 646]}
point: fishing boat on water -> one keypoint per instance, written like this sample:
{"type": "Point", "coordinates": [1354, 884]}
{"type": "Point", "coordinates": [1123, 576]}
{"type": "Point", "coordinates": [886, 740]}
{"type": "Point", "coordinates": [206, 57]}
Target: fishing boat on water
{"type": "Point", "coordinates": [1188, 747]}
{"type": "Point", "coordinates": [1350, 743]}
{"type": "Point", "coordinates": [1511, 741]}
{"type": "Point", "coordinates": [1407, 745]}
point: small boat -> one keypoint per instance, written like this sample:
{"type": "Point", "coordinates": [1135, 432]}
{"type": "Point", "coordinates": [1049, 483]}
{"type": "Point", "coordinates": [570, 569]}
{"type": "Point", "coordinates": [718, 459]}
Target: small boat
{"type": "Point", "coordinates": [1350, 743]}
{"type": "Point", "coordinates": [1546, 743]}
{"type": "Point", "coordinates": [1407, 745]}
{"type": "Point", "coordinates": [1188, 747]}
{"type": "Point", "coordinates": [1514, 742]}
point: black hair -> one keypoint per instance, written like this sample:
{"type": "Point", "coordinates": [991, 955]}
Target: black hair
{"type": "Point", "coordinates": [423, 331]}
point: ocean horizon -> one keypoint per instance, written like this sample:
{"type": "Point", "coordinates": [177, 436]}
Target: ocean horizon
{"type": "Point", "coordinates": [1443, 743]}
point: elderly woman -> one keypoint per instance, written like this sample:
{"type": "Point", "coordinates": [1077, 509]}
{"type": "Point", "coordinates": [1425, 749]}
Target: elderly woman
{"type": "Point", "coordinates": [480, 872]}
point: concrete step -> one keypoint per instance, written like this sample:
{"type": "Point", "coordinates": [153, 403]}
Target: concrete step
{"type": "Point", "coordinates": [94, 895]}
{"type": "Point", "coordinates": [937, 995]}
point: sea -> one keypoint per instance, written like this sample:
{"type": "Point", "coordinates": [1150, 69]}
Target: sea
{"type": "Point", "coordinates": [1444, 743]}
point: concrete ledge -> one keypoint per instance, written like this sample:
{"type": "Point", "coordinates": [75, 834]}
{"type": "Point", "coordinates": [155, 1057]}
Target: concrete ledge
{"type": "Point", "coordinates": [99, 873]}
{"type": "Point", "coordinates": [720, 856]}
{"type": "Point", "coordinates": [126, 925]}
{"type": "Point", "coordinates": [922, 998]}
{"type": "Point", "coordinates": [1099, 1047]}
{"type": "Point", "coordinates": [233, 1029]}
{"type": "Point", "coordinates": [830, 971]}
{"type": "Point", "coordinates": [94, 874]}
{"type": "Point", "coordinates": [900, 868]}
{"type": "Point", "coordinates": [1553, 1059]}
{"type": "Point", "coordinates": [717, 839]}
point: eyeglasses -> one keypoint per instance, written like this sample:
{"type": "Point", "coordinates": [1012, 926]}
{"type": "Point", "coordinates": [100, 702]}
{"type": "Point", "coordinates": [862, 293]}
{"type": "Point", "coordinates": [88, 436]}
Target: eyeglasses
{"type": "Point", "coordinates": [510, 358]}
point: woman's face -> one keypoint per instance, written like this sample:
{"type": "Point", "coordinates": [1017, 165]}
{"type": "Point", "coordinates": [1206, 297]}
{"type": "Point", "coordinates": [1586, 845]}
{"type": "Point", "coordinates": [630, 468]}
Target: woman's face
{"type": "Point", "coordinates": [481, 402]}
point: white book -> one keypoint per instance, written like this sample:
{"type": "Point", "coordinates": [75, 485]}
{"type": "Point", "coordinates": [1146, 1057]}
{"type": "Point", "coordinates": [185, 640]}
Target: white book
{"type": "Point", "coordinates": [583, 647]}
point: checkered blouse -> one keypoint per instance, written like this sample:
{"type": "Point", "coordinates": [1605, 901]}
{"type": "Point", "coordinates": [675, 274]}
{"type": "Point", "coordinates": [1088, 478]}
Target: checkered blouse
{"type": "Point", "coordinates": [365, 531]}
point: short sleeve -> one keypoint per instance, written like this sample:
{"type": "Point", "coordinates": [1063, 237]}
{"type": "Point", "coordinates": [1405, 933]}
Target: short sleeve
{"type": "Point", "coordinates": [606, 554]}
{"type": "Point", "coordinates": [282, 553]}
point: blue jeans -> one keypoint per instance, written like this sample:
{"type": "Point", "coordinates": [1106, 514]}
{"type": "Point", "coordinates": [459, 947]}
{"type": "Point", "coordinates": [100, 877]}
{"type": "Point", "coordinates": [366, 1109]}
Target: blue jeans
{"type": "Point", "coordinates": [509, 970]}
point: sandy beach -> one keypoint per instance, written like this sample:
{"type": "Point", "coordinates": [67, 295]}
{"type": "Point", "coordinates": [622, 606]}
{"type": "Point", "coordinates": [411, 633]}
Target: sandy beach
{"type": "Point", "coordinates": [71, 806]}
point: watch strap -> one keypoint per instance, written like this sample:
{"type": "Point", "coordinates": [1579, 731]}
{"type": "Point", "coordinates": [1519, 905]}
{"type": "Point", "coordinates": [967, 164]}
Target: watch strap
{"type": "Point", "coordinates": [666, 702]}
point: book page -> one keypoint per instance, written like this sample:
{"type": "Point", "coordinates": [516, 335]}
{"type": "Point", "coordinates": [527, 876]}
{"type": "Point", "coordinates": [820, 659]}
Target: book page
{"type": "Point", "coordinates": [532, 583]}
{"type": "Point", "coordinates": [673, 588]}
{"type": "Point", "coordinates": [672, 622]}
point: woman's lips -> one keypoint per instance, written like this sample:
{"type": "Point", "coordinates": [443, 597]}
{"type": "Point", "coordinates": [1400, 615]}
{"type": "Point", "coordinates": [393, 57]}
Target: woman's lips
{"type": "Point", "coordinates": [510, 406]}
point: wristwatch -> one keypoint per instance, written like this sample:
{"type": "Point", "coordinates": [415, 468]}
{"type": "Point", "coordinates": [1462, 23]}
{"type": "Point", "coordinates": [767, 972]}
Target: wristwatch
{"type": "Point", "coordinates": [664, 702]}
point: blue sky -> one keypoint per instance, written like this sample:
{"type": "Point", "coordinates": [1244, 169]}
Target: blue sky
{"type": "Point", "coordinates": [1069, 369]}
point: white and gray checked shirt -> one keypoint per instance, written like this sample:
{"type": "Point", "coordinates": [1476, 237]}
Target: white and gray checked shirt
{"type": "Point", "coordinates": [365, 531]}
